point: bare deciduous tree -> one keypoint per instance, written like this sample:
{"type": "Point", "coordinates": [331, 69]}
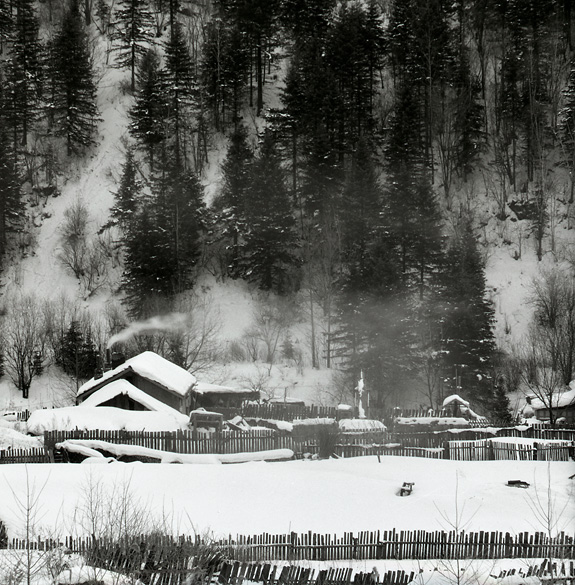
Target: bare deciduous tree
{"type": "Point", "coordinates": [24, 340]}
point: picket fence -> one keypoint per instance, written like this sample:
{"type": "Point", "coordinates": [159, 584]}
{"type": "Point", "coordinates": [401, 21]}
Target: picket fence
{"type": "Point", "coordinates": [236, 573]}
{"type": "Point", "coordinates": [488, 450]}
{"type": "Point", "coordinates": [24, 456]}
{"type": "Point", "coordinates": [376, 545]}
{"type": "Point", "coordinates": [356, 445]}
{"type": "Point", "coordinates": [399, 545]}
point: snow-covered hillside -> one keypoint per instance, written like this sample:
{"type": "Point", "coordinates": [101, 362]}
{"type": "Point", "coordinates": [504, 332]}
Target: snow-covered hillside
{"type": "Point", "coordinates": [510, 257]}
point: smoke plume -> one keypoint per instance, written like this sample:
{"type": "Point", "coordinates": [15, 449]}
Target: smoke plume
{"type": "Point", "coordinates": [173, 322]}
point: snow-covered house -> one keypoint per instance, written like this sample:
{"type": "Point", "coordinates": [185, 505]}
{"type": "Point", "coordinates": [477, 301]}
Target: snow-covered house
{"type": "Point", "coordinates": [214, 396]}
{"type": "Point", "coordinates": [562, 403]}
{"type": "Point", "coordinates": [149, 376]}
{"type": "Point", "coordinates": [150, 382]}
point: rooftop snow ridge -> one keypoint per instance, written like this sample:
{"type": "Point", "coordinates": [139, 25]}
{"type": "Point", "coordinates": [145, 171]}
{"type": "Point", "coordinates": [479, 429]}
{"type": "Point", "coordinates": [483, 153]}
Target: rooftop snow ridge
{"type": "Point", "coordinates": [153, 367]}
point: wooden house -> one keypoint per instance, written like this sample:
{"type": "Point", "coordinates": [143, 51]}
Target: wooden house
{"type": "Point", "coordinates": [148, 381]}
{"type": "Point", "coordinates": [562, 404]}
{"type": "Point", "coordinates": [152, 375]}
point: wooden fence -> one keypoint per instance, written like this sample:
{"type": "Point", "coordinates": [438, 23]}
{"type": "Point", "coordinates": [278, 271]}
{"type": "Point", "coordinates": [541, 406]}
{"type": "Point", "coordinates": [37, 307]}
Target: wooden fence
{"type": "Point", "coordinates": [189, 442]}
{"type": "Point", "coordinates": [353, 445]}
{"type": "Point", "coordinates": [378, 545]}
{"type": "Point", "coordinates": [236, 573]}
{"type": "Point", "coordinates": [489, 450]}
{"type": "Point", "coordinates": [24, 456]}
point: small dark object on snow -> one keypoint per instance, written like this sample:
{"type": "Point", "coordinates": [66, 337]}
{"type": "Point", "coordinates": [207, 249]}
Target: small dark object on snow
{"type": "Point", "coordinates": [517, 483]}
{"type": "Point", "coordinates": [406, 488]}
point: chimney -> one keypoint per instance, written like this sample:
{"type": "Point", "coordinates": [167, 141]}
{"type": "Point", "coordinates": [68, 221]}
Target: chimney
{"type": "Point", "coordinates": [117, 359]}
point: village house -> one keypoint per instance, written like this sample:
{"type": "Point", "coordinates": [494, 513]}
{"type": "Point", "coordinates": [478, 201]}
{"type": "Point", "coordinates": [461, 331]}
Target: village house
{"type": "Point", "coordinates": [562, 406]}
{"type": "Point", "coordinates": [150, 382]}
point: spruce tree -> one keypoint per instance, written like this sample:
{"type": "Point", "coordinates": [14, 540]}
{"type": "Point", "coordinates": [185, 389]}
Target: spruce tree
{"type": "Point", "coordinates": [225, 71]}
{"type": "Point", "coordinates": [236, 172]}
{"type": "Point", "coordinates": [466, 318]}
{"type": "Point", "coordinates": [11, 205]}
{"type": "Point", "coordinates": [269, 252]}
{"type": "Point", "coordinates": [133, 34]}
{"type": "Point", "coordinates": [180, 87]}
{"type": "Point", "coordinates": [74, 107]}
{"type": "Point", "coordinates": [126, 203]}
{"type": "Point", "coordinates": [24, 72]}
{"type": "Point", "coordinates": [361, 206]}
{"type": "Point", "coordinates": [149, 112]}
{"type": "Point", "coordinates": [78, 355]}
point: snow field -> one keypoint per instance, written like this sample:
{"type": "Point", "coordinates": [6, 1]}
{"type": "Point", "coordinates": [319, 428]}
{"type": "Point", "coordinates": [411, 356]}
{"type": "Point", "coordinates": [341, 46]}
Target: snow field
{"type": "Point", "coordinates": [330, 496]}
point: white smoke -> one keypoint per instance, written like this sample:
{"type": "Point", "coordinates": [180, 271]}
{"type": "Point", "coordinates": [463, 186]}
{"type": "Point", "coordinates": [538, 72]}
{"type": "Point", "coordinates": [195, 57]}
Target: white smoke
{"type": "Point", "coordinates": [173, 322]}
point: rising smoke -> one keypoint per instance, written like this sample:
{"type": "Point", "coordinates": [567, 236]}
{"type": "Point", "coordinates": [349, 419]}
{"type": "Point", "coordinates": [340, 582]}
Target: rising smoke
{"type": "Point", "coordinates": [173, 322]}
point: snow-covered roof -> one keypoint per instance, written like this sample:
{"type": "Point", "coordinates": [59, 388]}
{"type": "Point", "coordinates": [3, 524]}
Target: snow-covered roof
{"type": "Point", "coordinates": [360, 424]}
{"type": "Point", "coordinates": [455, 398]}
{"type": "Point", "coordinates": [560, 399]}
{"type": "Point", "coordinates": [151, 366]}
{"type": "Point", "coordinates": [117, 387]}
{"type": "Point", "coordinates": [105, 418]}
{"type": "Point", "coordinates": [206, 388]}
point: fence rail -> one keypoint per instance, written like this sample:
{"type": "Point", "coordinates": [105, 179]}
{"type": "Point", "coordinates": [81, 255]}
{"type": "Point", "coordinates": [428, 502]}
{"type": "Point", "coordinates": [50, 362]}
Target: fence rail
{"type": "Point", "coordinates": [377, 545]}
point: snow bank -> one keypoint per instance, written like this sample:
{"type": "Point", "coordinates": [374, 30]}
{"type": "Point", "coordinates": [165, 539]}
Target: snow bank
{"type": "Point", "coordinates": [455, 398]}
{"type": "Point", "coordinates": [432, 420]}
{"type": "Point", "coordinates": [79, 574]}
{"type": "Point", "coordinates": [124, 387]}
{"type": "Point", "coordinates": [105, 418]}
{"type": "Point", "coordinates": [357, 425]}
{"type": "Point", "coordinates": [153, 367]}
{"type": "Point", "coordinates": [206, 388]}
{"type": "Point", "coordinates": [304, 422]}
{"type": "Point", "coordinates": [88, 448]}
{"type": "Point", "coordinates": [11, 439]}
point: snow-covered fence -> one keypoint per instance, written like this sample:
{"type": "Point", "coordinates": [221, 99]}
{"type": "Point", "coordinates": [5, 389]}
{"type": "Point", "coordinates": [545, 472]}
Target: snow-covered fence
{"type": "Point", "coordinates": [376, 545]}
{"type": "Point", "coordinates": [24, 456]}
{"type": "Point", "coordinates": [502, 449]}
{"type": "Point", "coordinates": [188, 442]}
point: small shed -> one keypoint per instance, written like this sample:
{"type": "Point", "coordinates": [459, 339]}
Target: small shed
{"type": "Point", "coordinates": [212, 396]}
{"type": "Point", "coordinates": [200, 418]}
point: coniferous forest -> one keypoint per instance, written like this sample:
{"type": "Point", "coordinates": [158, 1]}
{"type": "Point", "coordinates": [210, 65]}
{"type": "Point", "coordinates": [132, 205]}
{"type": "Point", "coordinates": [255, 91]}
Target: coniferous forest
{"type": "Point", "coordinates": [370, 149]}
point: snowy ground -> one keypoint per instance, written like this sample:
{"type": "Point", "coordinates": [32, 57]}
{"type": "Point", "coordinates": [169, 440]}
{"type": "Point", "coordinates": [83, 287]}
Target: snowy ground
{"type": "Point", "coordinates": [331, 496]}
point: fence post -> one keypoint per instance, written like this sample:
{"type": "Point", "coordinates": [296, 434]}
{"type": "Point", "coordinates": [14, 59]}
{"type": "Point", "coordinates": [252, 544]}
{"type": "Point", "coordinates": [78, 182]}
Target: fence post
{"type": "Point", "coordinates": [446, 453]}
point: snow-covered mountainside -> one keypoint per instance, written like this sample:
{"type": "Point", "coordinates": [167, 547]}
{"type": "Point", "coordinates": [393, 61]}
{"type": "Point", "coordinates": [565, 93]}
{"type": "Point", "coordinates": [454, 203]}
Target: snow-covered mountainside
{"type": "Point", "coordinates": [232, 309]}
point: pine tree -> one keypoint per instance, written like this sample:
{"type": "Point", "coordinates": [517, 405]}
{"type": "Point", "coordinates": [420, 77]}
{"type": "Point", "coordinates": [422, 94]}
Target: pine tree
{"type": "Point", "coordinates": [77, 355]}
{"type": "Point", "coordinates": [180, 86]}
{"type": "Point", "coordinates": [24, 71]}
{"type": "Point", "coordinates": [149, 112]}
{"type": "Point", "coordinates": [74, 108]}
{"type": "Point", "coordinates": [148, 264]}
{"type": "Point", "coordinates": [466, 319]}
{"type": "Point", "coordinates": [567, 131]}
{"type": "Point", "coordinates": [133, 34]}
{"type": "Point", "coordinates": [269, 256]}
{"type": "Point", "coordinates": [225, 70]}
{"type": "Point", "coordinates": [361, 207]}
{"type": "Point", "coordinates": [126, 203]}
{"type": "Point", "coordinates": [181, 214]}
{"type": "Point", "coordinates": [11, 206]}
{"type": "Point", "coordinates": [236, 172]}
